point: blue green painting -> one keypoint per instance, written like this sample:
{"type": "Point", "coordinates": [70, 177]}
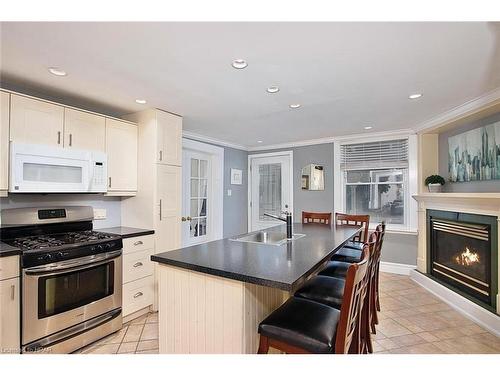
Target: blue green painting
{"type": "Point", "coordinates": [475, 154]}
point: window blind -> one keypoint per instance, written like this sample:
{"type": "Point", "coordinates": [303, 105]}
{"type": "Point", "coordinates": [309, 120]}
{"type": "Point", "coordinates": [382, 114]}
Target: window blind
{"type": "Point", "coordinates": [372, 155]}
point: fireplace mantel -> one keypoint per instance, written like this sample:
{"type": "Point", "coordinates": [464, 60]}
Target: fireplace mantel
{"type": "Point", "coordinates": [474, 203]}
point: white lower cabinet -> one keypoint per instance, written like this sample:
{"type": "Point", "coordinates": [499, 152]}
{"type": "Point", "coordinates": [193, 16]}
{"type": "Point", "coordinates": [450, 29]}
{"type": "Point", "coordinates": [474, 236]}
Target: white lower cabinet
{"type": "Point", "coordinates": [10, 306]}
{"type": "Point", "coordinates": [137, 295]}
{"type": "Point", "coordinates": [138, 269]}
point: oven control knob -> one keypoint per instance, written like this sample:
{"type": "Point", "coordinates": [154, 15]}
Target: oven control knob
{"type": "Point", "coordinates": [108, 246]}
{"type": "Point", "coordinates": [60, 255]}
{"type": "Point", "coordinates": [99, 247]}
{"type": "Point", "coordinates": [48, 257]}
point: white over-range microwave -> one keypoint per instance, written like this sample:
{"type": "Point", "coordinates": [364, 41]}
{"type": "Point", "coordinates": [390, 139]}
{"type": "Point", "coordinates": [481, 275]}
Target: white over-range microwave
{"type": "Point", "coordinates": [47, 169]}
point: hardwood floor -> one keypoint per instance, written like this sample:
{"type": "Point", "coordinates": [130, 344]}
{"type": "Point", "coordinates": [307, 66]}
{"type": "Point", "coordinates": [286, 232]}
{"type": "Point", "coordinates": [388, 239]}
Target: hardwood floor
{"type": "Point", "coordinates": [412, 321]}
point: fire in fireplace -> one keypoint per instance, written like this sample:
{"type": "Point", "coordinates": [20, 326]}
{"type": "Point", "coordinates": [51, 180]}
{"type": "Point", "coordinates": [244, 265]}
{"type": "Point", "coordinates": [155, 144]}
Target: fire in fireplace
{"type": "Point", "coordinates": [461, 253]}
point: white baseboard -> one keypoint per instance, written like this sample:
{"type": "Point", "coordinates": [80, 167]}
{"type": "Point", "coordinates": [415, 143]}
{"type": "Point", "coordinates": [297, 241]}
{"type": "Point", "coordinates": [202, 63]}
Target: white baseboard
{"type": "Point", "coordinates": [476, 313]}
{"type": "Point", "coordinates": [398, 268]}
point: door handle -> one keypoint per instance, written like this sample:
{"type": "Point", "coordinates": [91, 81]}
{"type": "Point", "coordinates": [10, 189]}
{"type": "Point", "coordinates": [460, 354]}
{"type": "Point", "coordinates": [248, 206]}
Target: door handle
{"type": "Point", "coordinates": [138, 294]}
{"type": "Point", "coordinates": [138, 264]}
{"type": "Point", "coordinates": [59, 138]}
{"type": "Point", "coordinates": [189, 218]}
{"type": "Point", "coordinates": [71, 140]}
{"type": "Point", "coordinates": [161, 155]}
{"type": "Point", "coordinates": [137, 243]}
{"type": "Point", "coordinates": [160, 209]}
{"type": "Point", "coordinates": [12, 292]}
{"type": "Point", "coordinates": [109, 182]}
{"type": "Point", "coordinates": [183, 218]}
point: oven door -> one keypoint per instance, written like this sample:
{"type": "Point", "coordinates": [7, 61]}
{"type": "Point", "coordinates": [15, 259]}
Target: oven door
{"type": "Point", "coordinates": [60, 295]}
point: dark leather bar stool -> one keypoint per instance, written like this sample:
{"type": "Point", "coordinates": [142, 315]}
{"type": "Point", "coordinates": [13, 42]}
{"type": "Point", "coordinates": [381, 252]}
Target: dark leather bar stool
{"type": "Point", "coordinates": [351, 251]}
{"type": "Point", "coordinates": [316, 218]}
{"type": "Point", "coordinates": [330, 291]}
{"type": "Point", "coordinates": [305, 326]}
{"type": "Point", "coordinates": [338, 269]}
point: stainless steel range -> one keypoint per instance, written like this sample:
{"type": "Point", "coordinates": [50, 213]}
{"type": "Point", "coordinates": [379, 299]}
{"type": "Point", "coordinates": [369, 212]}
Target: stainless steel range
{"type": "Point", "coordinates": [71, 277]}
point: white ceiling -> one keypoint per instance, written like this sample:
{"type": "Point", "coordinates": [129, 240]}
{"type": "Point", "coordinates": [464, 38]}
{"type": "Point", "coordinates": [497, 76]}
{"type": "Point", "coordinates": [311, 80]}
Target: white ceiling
{"type": "Point", "coordinates": [345, 75]}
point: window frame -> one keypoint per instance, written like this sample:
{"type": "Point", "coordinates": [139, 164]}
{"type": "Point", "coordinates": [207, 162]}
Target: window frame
{"type": "Point", "coordinates": [411, 214]}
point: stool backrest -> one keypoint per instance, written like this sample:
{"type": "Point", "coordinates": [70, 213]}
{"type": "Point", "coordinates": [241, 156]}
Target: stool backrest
{"type": "Point", "coordinates": [316, 217]}
{"type": "Point", "coordinates": [355, 290]}
{"type": "Point", "coordinates": [355, 220]}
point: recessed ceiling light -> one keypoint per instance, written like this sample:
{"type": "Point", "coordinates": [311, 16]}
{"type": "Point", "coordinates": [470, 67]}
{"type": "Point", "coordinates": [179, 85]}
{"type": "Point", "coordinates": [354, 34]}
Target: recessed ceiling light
{"type": "Point", "coordinates": [140, 101]}
{"type": "Point", "coordinates": [259, 141]}
{"type": "Point", "coordinates": [273, 89]}
{"type": "Point", "coordinates": [294, 106]}
{"type": "Point", "coordinates": [368, 127]}
{"type": "Point", "coordinates": [239, 64]}
{"type": "Point", "coordinates": [57, 72]}
{"type": "Point", "coordinates": [415, 96]}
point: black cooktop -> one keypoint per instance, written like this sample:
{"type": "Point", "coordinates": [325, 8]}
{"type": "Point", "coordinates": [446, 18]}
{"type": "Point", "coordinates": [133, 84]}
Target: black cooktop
{"type": "Point", "coordinates": [59, 241]}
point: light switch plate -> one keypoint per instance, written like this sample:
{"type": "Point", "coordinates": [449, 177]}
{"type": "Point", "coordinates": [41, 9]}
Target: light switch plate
{"type": "Point", "coordinates": [99, 213]}
{"type": "Point", "coordinates": [229, 192]}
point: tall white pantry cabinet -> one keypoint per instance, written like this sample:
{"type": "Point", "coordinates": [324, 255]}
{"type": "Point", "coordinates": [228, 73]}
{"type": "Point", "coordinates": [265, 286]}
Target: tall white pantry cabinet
{"type": "Point", "coordinates": [158, 202]}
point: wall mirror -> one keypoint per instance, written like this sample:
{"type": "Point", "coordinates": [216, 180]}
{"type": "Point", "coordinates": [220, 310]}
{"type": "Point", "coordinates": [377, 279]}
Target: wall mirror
{"type": "Point", "coordinates": [313, 177]}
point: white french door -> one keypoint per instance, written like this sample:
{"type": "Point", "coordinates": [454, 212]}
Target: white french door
{"type": "Point", "coordinates": [197, 204]}
{"type": "Point", "coordinates": [270, 188]}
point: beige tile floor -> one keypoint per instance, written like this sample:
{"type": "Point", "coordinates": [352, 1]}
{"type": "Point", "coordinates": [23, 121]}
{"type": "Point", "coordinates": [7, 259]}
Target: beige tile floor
{"type": "Point", "coordinates": [139, 336]}
{"type": "Point", "coordinates": [412, 321]}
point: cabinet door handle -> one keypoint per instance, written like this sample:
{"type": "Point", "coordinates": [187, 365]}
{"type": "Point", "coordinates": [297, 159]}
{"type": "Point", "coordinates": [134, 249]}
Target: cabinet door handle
{"type": "Point", "coordinates": [137, 243]}
{"type": "Point", "coordinates": [59, 138]}
{"type": "Point", "coordinates": [71, 140]}
{"type": "Point", "coordinates": [160, 209]}
{"type": "Point", "coordinates": [138, 264]}
{"type": "Point", "coordinates": [161, 155]}
{"type": "Point", "coordinates": [138, 294]}
{"type": "Point", "coordinates": [12, 292]}
{"type": "Point", "coordinates": [109, 182]}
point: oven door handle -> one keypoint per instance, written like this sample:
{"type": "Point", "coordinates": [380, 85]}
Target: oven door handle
{"type": "Point", "coordinates": [80, 264]}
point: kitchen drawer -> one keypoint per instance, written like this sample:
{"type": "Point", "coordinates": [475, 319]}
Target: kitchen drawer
{"type": "Point", "coordinates": [137, 295]}
{"type": "Point", "coordinates": [137, 265]}
{"type": "Point", "coordinates": [9, 267]}
{"type": "Point", "coordinates": [133, 244]}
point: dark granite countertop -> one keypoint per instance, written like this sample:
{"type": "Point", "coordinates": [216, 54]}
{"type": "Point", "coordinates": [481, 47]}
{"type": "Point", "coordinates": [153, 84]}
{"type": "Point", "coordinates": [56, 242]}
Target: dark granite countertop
{"type": "Point", "coordinates": [127, 232]}
{"type": "Point", "coordinates": [284, 267]}
{"type": "Point", "coordinates": [7, 250]}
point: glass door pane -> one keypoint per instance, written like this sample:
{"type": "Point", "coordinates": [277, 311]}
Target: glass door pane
{"type": "Point", "coordinates": [269, 190]}
{"type": "Point", "coordinates": [198, 197]}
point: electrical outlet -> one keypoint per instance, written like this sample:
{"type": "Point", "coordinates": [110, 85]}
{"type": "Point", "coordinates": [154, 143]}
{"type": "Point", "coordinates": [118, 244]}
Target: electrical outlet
{"type": "Point", "coordinates": [229, 192]}
{"type": "Point", "coordinates": [99, 213]}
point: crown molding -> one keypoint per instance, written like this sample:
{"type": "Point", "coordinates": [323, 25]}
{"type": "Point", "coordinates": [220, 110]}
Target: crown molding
{"type": "Point", "coordinates": [215, 141]}
{"type": "Point", "coordinates": [307, 142]}
{"type": "Point", "coordinates": [376, 136]}
{"type": "Point", "coordinates": [472, 106]}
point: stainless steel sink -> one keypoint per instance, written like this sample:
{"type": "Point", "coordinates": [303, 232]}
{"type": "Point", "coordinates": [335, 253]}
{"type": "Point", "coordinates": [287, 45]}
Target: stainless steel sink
{"type": "Point", "coordinates": [269, 238]}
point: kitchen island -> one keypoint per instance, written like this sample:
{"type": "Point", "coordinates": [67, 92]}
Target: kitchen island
{"type": "Point", "coordinates": [213, 296]}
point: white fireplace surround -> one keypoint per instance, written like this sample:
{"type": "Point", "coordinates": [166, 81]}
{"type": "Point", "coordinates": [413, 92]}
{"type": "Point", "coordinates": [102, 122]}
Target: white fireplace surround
{"type": "Point", "coordinates": [473, 203]}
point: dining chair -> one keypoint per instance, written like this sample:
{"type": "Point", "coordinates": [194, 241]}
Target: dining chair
{"type": "Point", "coordinates": [316, 217]}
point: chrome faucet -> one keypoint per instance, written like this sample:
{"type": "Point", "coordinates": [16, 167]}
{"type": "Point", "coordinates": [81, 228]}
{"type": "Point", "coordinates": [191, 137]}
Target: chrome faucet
{"type": "Point", "coordinates": [287, 219]}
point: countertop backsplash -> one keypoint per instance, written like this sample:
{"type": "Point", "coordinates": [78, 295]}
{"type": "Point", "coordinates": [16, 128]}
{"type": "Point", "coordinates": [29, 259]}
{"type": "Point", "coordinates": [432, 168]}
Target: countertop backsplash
{"type": "Point", "coordinates": [111, 204]}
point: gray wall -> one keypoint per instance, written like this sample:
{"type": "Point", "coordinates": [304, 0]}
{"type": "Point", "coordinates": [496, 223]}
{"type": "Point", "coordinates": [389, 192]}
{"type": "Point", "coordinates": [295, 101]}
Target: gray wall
{"type": "Point", "coordinates": [235, 206]}
{"type": "Point", "coordinates": [304, 200]}
{"type": "Point", "coordinates": [400, 248]}
{"type": "Point", "coordinates": [111, 204]}
{"type": "Point", "coordinates": [490, 186]}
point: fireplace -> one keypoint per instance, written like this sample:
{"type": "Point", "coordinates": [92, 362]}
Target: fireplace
{"type": "Point", "coordinates": [463, 254]}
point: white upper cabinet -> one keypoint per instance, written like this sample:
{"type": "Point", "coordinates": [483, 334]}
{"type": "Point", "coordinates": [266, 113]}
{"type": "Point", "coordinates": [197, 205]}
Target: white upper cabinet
{"type": "Point", "coordinates": [169, 138]}
{"type": "Point", "coordinates": [35, 121]}
{"type": "Point", "coordinates": [4, 142]}
{"type": "Point", "coordinates": [121, 147]}
{"type": "Point", "coordinates": [84, 131]}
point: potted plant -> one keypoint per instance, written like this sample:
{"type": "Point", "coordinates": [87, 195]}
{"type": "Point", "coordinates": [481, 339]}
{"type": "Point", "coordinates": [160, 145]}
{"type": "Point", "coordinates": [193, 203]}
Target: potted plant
{"type": "Point", "coordinates": [434, 183]}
